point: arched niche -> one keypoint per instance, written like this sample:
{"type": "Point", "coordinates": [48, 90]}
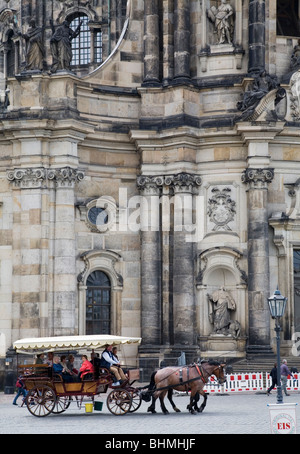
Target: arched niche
{"type": "Point", "coordinates": [220, 267]}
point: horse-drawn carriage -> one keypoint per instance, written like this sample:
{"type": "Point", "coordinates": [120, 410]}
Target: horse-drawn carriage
{"type": "Point", "coordinates": [49, 393]}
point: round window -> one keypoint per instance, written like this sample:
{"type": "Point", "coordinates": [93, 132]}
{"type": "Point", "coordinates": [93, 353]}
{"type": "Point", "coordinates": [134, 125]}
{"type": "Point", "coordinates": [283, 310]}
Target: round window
{"type": "Point", "coordinates": [97, 216]}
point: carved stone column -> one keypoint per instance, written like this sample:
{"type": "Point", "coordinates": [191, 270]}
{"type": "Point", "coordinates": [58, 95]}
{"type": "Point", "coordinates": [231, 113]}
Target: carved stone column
{"type": "Point", "coordinates": [151, 43]}
{"type": "Point", "coordinates": [257, 181]}
{"type": "Point", "coordinates": [257, 44]}
{"type": "Point", "coordinates": [181, 39]}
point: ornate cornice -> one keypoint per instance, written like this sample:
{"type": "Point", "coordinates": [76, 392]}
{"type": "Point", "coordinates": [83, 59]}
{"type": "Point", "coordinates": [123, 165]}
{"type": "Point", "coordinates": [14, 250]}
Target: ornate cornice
{"type": "Point", "coordinates": [258, 178]}
{"type": "Point", "coordinates": [33, 178]}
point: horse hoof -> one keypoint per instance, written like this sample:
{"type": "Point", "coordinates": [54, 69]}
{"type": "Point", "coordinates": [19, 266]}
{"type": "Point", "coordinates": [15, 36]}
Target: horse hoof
{"type": "Point", "coordinates": [177, 410]}
{"type": "Point", "coordinates": [150, 410]}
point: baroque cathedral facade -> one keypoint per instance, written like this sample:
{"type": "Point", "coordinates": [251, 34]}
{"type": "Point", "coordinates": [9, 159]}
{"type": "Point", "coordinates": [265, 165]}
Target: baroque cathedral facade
{"type": "Point", "coordinates": [150, 173]}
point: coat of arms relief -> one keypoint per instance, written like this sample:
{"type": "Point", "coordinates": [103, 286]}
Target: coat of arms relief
{"type": "Point", "coordinates": [221, 209]}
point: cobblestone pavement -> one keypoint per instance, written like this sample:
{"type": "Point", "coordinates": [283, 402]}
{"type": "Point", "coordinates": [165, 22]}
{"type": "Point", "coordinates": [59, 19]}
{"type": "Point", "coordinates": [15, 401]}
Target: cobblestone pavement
{"type": "Point", "coordinates": [224, 414]}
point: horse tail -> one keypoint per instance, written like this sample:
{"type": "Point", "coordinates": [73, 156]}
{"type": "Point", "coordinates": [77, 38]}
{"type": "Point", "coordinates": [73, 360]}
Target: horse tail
{"type": "Point", "coordinates": [152, 381]}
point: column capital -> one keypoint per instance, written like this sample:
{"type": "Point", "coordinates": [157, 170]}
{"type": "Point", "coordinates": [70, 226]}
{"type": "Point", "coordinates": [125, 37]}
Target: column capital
{"type": "Point", "coordinates": [33, 178]}
{"type": "Point", "coordinates": [181, 182]}
{"type": "Point", "coordinates": [257, 178]}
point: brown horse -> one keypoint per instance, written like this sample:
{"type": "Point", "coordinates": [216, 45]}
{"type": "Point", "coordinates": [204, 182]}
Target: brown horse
{"type": "Point", "coordinates": [188, 378]}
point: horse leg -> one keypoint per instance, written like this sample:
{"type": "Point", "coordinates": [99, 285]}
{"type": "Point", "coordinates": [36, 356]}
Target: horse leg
{"type": "Point", "coordinates": [196, 400]}
{"type": "Point", "coordinates": [191, 404]}
{"type": "Point", "coordinates": [170, 394]}
{"type": "Point", "coordinates": [152, 406]}
{"type": "Point", "coordinates": [151, 388]}
{"type": "Point", "coordinates": [203, 405]}
{"type": "Point", "coordinates": [162, 404]}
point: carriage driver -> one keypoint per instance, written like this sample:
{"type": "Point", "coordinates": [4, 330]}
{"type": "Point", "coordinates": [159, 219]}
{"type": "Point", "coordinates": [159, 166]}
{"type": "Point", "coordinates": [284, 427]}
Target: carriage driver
{"type": "Point", "coordinates": [109, 361]}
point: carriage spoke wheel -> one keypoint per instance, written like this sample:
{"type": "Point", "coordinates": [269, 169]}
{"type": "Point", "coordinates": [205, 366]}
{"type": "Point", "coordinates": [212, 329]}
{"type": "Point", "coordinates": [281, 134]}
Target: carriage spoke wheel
{"type": "Point", "coordinates": [61, 404]}
{"type": "Point", "coordinates": [41, 401]}
{"type": "Point", "coordinates": [119, 402]}
{"type": "Point", "coordinates": [136, 401]}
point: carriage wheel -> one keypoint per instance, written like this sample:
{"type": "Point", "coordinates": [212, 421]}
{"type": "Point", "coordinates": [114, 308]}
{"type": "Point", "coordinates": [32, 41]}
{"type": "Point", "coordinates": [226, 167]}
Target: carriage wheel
{"type": "Point", "coordinates": [136, 401]}
{"type": "Point", "coordinates": [119, 402]}
{"type": "Point", "coordinates": [41, 400]}
{"type": "Point", "coordinates": [61, 404]}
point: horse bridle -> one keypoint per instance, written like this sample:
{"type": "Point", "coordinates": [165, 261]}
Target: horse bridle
{"type": "Point", "coordinates": [205, 380]}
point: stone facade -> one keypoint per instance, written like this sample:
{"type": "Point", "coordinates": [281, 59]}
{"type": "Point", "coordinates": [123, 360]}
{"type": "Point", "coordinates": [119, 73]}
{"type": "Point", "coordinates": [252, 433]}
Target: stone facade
{"type": "Point", "coordinates": [168, 159]}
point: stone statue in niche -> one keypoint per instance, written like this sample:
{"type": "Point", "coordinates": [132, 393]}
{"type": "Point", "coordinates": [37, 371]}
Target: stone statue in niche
{"type": "Point", "coordinates": [60, 44]}
{"type": "Point", "coordinates": [35, 49]}
{"type": "Point", "coordinates": [222, 18]}
{"type": "Point", "coordinates": [221, 305]}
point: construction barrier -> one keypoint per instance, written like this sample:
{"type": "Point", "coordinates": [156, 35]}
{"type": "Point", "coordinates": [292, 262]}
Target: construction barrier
{"type": "Point", "coordinates": [247, 382]}
{"type": "Point", "coordinates": [237, 383]}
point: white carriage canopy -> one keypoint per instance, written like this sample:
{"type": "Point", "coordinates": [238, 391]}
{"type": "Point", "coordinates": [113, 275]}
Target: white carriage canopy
{"type": "Point", "coordinates": [63, 343]}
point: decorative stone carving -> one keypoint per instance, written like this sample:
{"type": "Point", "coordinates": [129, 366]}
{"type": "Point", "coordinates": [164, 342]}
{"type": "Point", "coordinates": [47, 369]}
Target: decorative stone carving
{"type": "Point", "coordinates": [258, 178]}
{"type": "Point", "coordinates": [221, 208]}
{"type": "Point", "coordinates": [295, 95]}
{"type": "Point", "coordinates": [222, 304]}
{"type": "Point", "coordinates": [27, 178]}
{"type": "Point", "coordinates": [222, 18]}
{"type": "Point", "coordinates": [260, 100]}
{"type": "Point", "coordinates": [178, 182]}
{"type": "Point", "coordinates": [38, 177]}
{"type": "Point", "coordinates": [295, 58]}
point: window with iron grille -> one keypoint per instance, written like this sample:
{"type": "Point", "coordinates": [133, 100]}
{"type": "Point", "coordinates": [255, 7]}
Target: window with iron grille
{"type": "Point", "coordinates": [81, 45]}
{"type": "Point", "coordinates": [98, 46]}
{"type": "Point", "coordinates": [98, 303]}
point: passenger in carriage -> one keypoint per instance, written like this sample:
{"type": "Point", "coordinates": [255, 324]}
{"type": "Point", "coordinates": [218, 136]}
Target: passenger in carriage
{"type": "Point", "coordinates": [95, 360]}
{"type": "Point", "coordinates": [59, 369]}
{"type": "Point", "coordinates": [86, 368]}
{"type": "Point", "coordinates": [110, 362]}
{"type": "Point", "coordinates": [70, 365]}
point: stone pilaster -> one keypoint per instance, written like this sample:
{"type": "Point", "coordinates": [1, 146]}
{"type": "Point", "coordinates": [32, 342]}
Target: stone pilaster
{"type": "Point", "coordinates": [183, 260]}
{"type": "Point", "coordinates": [65, 314]}
{"type": "Point", "coordinates": [150, 260]}
{"type": "Point", "coordinates": [257, 181]}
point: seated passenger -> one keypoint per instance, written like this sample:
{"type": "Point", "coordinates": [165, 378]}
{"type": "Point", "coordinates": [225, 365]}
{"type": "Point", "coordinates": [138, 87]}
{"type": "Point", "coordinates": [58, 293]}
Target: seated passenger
{"type": "Point", "coordinates": [110, 362]}
{"type": "Point", "coordinates": [86, 367]}
{"type": "Point", "coordinates": [95, 360]}
{"type": "Point", "coordinates": [70, 365]}
{"type": "Point", "coordinates": [59, 369]}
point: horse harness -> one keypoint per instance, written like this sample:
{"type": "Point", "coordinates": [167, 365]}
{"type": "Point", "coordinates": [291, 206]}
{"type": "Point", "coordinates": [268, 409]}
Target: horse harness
{"type": "Point", "coordinates": [199, 369]}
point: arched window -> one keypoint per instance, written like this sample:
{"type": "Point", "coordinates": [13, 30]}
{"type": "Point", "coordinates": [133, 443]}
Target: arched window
{"type": "Point", "coordinates": [98, 303]}
{"type": "Point", "coordinates": [288, 18]}
{"type": "Point", "coordinates": [87, 46]}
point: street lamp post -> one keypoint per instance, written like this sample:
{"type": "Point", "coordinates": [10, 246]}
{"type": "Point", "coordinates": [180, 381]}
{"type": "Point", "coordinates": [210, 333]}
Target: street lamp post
{"type": "Point", "coordinates": [277, 304]}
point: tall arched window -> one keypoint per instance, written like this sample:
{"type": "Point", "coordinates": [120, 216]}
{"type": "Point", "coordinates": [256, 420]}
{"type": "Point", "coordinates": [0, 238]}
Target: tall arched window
{"type": "Point", "coordinates": [98, 303]}
{"type": "Point", "coordinates": [87, 46]}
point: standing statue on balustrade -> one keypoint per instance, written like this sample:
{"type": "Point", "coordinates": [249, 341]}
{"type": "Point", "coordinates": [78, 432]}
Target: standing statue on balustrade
{"type": "Point", "coordinates": [61, 45]}
{"type": "Point", "coordinates": [223, 21]}
{"type": "Point", "coordinates": [35, 49]}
